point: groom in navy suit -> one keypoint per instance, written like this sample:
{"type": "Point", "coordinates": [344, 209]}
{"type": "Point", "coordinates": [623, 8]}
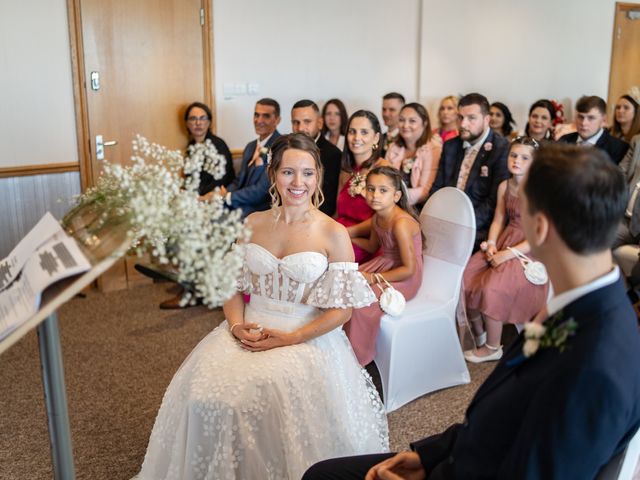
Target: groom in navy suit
{"type": "Point", "coordinates": [250, 189]}
{"type": "Point", "coordinates": [547, 411]}
{"type": "Point", "coordinates": [475, 161]}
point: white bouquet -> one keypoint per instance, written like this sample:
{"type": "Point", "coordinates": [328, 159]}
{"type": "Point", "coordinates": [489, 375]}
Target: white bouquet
{"type": "Point", "coordinates": [155, 201]}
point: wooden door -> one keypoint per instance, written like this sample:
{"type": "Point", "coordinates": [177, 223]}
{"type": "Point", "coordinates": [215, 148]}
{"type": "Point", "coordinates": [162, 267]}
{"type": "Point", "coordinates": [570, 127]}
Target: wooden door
{"type": "Point", "coordinates": [625, 53]}
{"type": "Point", "coordinates": [140, 63]}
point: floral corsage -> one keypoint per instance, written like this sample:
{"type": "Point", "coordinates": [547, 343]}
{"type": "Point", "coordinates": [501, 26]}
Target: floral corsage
{"type": "Point", "coordinates": [554, 334]}
{"type": "Point", "coordinates": [407, 164]}
{"type": "Point", "coordinates": [358, 182]}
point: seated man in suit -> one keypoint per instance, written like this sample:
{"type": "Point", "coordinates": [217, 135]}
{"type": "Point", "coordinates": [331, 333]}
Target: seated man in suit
{"type": "Point", "coordinates": [549, 410]}
{"type": "Point", "coordinates": [306, 118]}
{"type": "Point", "coordinates": [591, 117]}
{"type": "Point", "coordinates": [392, 103]}
{"type": "Point", "coordinates": [475, 161]}
{"type": "Point", "coordinates": [250, 189]}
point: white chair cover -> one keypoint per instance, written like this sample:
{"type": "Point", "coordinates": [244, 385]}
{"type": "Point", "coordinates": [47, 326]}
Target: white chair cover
{"type": "Point", "coordinates": [624, 465]}
{"type": "Point", "coordinates": [419, 352]}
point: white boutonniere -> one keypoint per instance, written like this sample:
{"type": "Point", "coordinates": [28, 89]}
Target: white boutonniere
{"type": "Point", "coordinates": [358, 183]}
{"type": "Point", "coordinates": [264, 151]}
{"type": "Point", "coordinates": [407, 164]}
{"type": "Point", "coordinates": [554, 334]}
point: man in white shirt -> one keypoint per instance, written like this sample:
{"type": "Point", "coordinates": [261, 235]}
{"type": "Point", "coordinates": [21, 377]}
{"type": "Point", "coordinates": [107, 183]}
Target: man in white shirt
{"type": "Point", "coordinates": [565, 398]}
{"type": "Point", "coordinates": [392, 103]}
{"type": "Point", "coordinates": [591, 118]}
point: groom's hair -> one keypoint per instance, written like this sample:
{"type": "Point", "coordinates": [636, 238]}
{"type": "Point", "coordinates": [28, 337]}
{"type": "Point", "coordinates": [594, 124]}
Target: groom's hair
{"type": "Point", "coordinates": [581, 191]}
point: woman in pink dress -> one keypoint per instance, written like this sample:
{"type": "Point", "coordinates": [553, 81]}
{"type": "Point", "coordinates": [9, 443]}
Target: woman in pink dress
{"type": "Point", "coordinates": [495, 288]}
{"type": "Point", "coordinates": [361, 153]}
{"type": "Point", "coordinates": [448, 118]}
{"type": "Point", "coordinates": [416, 153]}
{"type": "Point", "coordinates": [394, 226]}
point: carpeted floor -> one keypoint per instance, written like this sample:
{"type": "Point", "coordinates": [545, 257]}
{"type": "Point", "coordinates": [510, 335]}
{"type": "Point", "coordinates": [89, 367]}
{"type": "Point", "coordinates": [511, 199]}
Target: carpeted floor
{"type": "Point", "coordinates": [120, 352]}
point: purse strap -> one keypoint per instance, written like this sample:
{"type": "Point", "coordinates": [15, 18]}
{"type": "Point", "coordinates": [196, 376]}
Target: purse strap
{"type": "Point", "coordinates": [524, 260]}
{"type": "Point", "coordinates": [378, 277]}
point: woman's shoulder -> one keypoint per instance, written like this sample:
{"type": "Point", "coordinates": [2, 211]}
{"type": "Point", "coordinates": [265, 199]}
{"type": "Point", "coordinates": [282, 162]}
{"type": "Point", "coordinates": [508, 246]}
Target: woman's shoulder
{"type": "Point", "coordinates": [257, 220]}
{"type": "Point", "coordinates": [404, 220]}
{"type": "Point", "coordinates": [338, 242]}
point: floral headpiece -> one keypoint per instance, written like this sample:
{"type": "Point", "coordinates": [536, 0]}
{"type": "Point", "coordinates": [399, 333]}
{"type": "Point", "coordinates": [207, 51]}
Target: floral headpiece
{"type": "Point", "coordinates": [558, 113]}
{"type": "Point", "coordinates": [634, 92]}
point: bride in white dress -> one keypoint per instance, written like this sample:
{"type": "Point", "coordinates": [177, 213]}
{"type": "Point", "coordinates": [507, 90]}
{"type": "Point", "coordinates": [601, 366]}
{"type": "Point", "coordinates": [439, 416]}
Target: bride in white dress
{"type": "Point", "coordinates": [276, 387]}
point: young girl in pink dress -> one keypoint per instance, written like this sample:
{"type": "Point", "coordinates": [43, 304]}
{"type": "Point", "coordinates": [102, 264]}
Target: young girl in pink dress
{"type": "Point", "coordinates": [395, 228]}
{"type": "Point", "coordinates": [495, 288]}
{"type": "Point", "coordinates": [361, 153]}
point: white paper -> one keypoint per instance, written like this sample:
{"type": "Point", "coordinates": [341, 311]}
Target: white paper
{"type": "Point", "coordinates": [58, 258]}
{"type": "Point", "coordinates": [10, 266]}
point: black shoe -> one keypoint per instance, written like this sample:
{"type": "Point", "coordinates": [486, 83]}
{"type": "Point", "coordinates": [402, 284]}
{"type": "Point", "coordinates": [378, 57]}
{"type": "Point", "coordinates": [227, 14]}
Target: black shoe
{"type": "Point", "coordinates": [156, 273]}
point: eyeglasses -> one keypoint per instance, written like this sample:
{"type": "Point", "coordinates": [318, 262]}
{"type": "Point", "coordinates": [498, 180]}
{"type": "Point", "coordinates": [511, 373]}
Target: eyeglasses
{"type": "Point", "coordinates": [196, 119]}
{"type": "Point", "coordinates": [525, 140]}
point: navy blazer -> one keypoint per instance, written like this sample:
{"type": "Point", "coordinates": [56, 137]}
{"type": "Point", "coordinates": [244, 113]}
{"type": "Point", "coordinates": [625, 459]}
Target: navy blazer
{"type": "Point", "coordinates": [614, 147]}
{"type": "Point", "coordinates": [555, 415]}
{"type": "Point", "coordinates": [250, 189]}
{"type": "Point", "coordinates": [489, 169]}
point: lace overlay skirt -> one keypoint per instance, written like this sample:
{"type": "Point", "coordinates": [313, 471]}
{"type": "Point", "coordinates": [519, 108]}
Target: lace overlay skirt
{"type": "Point", "coordinates": [233, 414]}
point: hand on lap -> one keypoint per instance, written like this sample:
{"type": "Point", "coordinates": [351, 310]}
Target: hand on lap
{"type": "Point", "coordinates": [403, 466]}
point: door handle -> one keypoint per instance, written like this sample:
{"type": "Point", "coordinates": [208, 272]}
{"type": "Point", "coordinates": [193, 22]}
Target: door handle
{"type": "Point", "coordinates": [100, 144]}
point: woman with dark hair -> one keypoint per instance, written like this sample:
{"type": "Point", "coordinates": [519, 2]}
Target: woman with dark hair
{"type": "Point", "coordinates": [276, 387]}
{"type": "Point", "coordinates": [361, 154]}
{"type": "Point", "coordinates": [334, 116]}
{"type": "Point", "coordinates": [540, 124]}
{"type": "Point", "coordinates": [197, 118]}
{"type": "Point", "coordinates": [501, 120]}
{"type": "Point", "coordinates": [626, 123]}
{"type": "Point", "coordinates": [448, 118]}
{"type": "Point", "coordinates": [416, 152]}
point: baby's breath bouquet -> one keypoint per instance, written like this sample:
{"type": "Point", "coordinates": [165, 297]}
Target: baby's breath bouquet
{"type": "Point", "coordinates": [155, 202]}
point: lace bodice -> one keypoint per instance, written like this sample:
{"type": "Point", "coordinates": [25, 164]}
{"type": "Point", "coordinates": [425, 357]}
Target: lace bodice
{"type": "Point", "coordinates": [303, 277]}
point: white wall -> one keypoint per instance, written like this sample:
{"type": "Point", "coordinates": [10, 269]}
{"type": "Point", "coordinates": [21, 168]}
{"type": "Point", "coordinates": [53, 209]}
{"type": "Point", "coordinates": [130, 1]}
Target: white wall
{"type": "Point", "coordinates": [302, 49]}
{"type": "Point", "coordinates": [37, 122]}
{"type": "Point", "coordinates": [513, 51]}
{"type": "Point", "coordinates": [516, 51]}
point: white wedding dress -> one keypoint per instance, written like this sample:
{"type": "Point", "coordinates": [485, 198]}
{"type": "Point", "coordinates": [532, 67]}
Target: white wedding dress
{"type": "Point", "coordinates": [233, 414]}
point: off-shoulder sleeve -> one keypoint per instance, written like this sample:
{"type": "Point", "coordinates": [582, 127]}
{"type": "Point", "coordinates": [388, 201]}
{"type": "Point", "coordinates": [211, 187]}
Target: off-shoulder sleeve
{"type": "Point", "coordinates": [341, 286]}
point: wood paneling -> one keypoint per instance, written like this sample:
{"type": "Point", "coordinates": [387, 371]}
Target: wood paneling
{"type": "Point", "coordinates": [26, 170]}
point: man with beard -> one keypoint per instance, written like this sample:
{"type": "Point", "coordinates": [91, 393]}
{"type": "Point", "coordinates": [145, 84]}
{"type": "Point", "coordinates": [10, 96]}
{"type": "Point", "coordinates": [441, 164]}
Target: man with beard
{"type": "Point", "coordinates": [475, 161]}
{"type": "Point", "coordinates": [306, 118]}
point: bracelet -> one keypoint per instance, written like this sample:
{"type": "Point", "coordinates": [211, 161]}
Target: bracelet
{"type": "Point", "coordinates": [491, 242]}
{"type": "Point", "coordinates": [234, 326]}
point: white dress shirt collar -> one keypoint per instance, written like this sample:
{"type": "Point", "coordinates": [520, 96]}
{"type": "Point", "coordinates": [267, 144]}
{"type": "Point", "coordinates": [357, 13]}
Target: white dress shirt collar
{"type": "Point", "coordinates": [558, 302]}
{"type": "Point", "coordinates": [478, 142]}
{"type": "Point", "coordinates": [591, 140]}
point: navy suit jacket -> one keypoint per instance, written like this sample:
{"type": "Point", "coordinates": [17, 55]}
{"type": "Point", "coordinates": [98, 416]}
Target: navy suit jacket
{"type": "Point", "coordinates": [489, 169]}
{"type": "Point", "coordinates": [555, 415]}
{"type": "Point", "coordinates": [250, 189]}
{"type": "Point", "coordinates": [330, 156]}
{"type": "Point", "coordinates": [614, 147]}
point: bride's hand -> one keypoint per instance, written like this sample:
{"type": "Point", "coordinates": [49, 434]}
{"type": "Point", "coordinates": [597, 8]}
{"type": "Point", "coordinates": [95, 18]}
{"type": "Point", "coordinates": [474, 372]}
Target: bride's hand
{"type": "Point", "coordinates": [271, 339]}
{"type": "Point", "coordinates": [243, 332]}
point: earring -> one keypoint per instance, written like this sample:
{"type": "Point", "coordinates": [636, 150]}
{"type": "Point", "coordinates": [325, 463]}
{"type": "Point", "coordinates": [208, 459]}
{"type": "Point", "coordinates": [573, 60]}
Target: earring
{"type": "Point", "coordinates": [374, 146]}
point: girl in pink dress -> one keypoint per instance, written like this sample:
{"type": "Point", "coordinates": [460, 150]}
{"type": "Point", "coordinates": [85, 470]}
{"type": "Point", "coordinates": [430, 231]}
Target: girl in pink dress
{"type": "Point", "coordinates": [361, 153]}
{"type": "Point", "coordinates": [495, 288]}
{"type": "Point", "coordinates": [394, 226]}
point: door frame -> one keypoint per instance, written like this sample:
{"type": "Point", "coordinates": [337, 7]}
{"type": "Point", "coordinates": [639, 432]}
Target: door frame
{"type": "Point", "coordinates": [619, 7]}
{"type": "Point", "coordinates": [87, 174]}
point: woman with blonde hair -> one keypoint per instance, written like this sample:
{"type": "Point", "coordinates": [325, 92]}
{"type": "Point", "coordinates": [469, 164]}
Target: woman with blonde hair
{"type": "Point", "coordinates": [448, 118]}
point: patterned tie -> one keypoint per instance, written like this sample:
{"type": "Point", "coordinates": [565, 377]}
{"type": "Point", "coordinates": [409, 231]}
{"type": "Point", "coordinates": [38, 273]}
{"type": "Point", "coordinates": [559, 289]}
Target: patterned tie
{"type": "Point", "coordinates": [465, 167]}
{"type": "Point", "coordinates": [256, 159]}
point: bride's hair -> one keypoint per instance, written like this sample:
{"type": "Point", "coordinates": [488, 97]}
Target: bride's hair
{"type": "Point", "coordinates": [298, 141]}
